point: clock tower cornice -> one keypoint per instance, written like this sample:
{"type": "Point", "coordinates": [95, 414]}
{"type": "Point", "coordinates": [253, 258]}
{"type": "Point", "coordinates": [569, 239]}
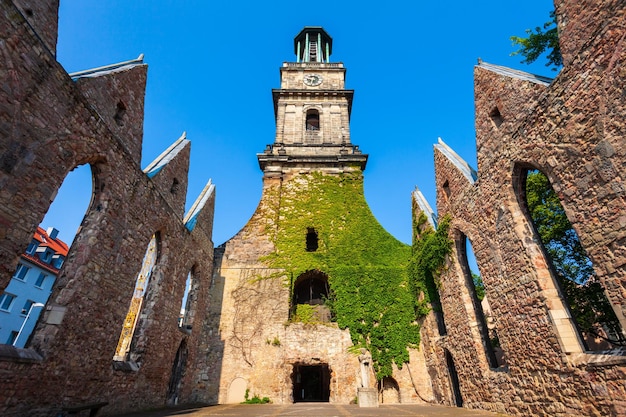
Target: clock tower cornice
{"type": "Point", "coordinates": [287, 94]}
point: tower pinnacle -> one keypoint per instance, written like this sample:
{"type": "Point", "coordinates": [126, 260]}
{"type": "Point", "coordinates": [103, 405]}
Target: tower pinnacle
{"type": "Point", "coordinates": [313, 44]}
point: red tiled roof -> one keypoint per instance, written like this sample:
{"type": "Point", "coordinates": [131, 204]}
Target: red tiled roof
{"type": "Point", "coordinates": [34, 259]}
{"type": "Point", "coordinates": [57, 245]}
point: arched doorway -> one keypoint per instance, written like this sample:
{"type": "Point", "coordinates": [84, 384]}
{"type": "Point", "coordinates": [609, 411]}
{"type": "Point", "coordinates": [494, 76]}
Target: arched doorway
{"type": "Point", "coordinates": [311, 383]}
{"type": "Point", "coordinates": [389, 391]}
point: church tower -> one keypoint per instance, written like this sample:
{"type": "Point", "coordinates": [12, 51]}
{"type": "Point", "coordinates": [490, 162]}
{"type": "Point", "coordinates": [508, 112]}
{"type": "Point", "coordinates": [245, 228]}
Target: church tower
{"type": "Point", "coordinates": [312, 110]}
{"type": "Point", "coordinates": [294, 290]}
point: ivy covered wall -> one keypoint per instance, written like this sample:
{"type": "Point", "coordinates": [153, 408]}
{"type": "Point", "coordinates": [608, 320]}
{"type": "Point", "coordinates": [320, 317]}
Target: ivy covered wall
{"type": "Point", "coordinates": [371, 293]}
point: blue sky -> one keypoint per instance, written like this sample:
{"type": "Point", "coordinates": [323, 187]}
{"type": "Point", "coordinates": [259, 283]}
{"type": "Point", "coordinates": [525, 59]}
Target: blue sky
{"type": "Point", "coordinates": [212, 65]}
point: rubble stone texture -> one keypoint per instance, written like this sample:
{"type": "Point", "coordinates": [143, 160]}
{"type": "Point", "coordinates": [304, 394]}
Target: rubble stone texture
{"type": "Point", "coordinates": [572, 128]}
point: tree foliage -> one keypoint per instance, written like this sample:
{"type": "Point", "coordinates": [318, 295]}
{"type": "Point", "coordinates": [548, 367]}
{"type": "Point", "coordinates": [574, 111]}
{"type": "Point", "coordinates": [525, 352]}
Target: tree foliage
{"type": "Point", "coordinates": [574, 270]}
{"type": "Point", "coordinates": [539, 41]}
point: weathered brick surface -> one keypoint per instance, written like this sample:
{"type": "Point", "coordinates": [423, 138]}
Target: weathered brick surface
{"type": "Point", "coordinates": [48, 126]}
{"type": "Point", "coordinates": [573, 130]}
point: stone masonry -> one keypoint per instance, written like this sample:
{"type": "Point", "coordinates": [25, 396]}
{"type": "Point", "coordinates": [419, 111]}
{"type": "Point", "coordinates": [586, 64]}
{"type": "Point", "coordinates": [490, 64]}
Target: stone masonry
{"type": "Point", "coordinates": [238, 336]}
{"type": "Point", "coordinates": [572, 129]}
{"type": "Point", "coordinates": [50, 124]}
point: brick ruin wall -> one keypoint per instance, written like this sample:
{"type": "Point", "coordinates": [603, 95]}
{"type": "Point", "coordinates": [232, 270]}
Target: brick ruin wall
{"type": "Point", "coordinates": [572, 130]}
{"type": "Point", "coordinates": [48, 126]}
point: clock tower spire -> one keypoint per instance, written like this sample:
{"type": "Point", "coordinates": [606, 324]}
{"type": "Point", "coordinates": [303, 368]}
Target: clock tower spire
{"type": "Point", "coordinates": [312, 110]}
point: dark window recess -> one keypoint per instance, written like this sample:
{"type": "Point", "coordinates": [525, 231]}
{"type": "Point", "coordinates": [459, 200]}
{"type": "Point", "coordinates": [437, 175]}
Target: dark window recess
{"type": "Point", "coordinates": [119, 113]}
{"type": "Point", "coordinates": [496, 117]}
{"type": "Point", "coordinates": [311, 240]}
{"type": "Point", "coordinates": [312, 120]}
{"type": "Point", "coordinates": [175, 186]}
{"type": "Point", "coordinates": [446, 188]}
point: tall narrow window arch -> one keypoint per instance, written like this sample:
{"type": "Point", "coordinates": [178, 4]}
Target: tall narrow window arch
{"type": "Point", "coordinates": [187, 311]}
{"type": "Point", "coordinates": [136, 303]}
{"type": "Point", "coordinates": [312, 120]}
{"type": "Point", "coordinates": [570, 266]}
{"type": "Point", "coordinates": [36, 273]}
{"type": "Point", "coordinates": [476, 288]}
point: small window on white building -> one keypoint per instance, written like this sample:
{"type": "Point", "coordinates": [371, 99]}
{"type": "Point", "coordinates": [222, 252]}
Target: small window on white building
{"type": "Point", "coordinates": [20, 272]}
{"type": "Point", "coordinates": [57, 261]}
{"type": "Point", "coordinates": [6, 301]}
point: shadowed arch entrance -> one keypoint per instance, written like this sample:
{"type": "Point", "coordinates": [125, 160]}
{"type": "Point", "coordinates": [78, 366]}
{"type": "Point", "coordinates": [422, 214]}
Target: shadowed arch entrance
{"type": "Point", "coordinates": [311, 288]}
{"type": "Point", "coordinates": [311, 383]}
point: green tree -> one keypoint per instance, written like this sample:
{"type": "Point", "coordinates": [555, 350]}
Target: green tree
{"type": "Point", "coordinates": [542, 40]}
{"type": "Point", "coordinates": [479, 286]}
{"type": "Point", "coordinates": [585, 295]}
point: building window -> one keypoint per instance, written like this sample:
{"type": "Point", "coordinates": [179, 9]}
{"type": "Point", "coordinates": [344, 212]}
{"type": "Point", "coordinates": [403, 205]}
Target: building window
{"type": "Point", "coordinates": [20, 272]}
{"type": "Point", "coordinates": [185, 316]}
{"type": "Point", "coordinates": [312, 120]}
{"type": "Point", "coordinates": [46, 256]}
{"type": "Point", "coordinates": [32, 247]}
{"type": "Point", "coordinates": [141, 286]}
{"type": "Point", "coordinates": [311, 288]}
{"type": "Point", "coordinates": [589, 317]}
{"type": "Point", "coordinates": [27, 305]}
{"type": "Point", "coordinates": [311, 240]}
{"type": "Point", "coordinates": [40, 280]}
{"type": "Point", "coordinates": [6, 301]}
{"type": "Point", "coordinates": [12, 337]}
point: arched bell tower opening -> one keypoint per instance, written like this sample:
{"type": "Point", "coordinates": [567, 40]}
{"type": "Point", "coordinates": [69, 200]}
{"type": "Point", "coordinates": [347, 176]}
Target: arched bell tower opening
{"type": "Point", "coordinates": [311, 288]}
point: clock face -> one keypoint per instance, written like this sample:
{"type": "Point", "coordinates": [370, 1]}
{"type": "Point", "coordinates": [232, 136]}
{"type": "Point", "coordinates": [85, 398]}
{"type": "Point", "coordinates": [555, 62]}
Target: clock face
{"type": "Point", "coordinates": [313, 79]}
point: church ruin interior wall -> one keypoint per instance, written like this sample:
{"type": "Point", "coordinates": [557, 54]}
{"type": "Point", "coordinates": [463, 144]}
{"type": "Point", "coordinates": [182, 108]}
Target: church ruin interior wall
{"type": "Point", "coordinates": [49, 126]}
{"type": "Point", "coordinates": [570, 129]}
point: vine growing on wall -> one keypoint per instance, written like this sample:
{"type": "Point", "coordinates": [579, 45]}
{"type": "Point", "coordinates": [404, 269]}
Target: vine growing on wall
{"type": "Point", "coordinates": [428, 258]}
{"type": "Point", "coordinates": [371, 293]}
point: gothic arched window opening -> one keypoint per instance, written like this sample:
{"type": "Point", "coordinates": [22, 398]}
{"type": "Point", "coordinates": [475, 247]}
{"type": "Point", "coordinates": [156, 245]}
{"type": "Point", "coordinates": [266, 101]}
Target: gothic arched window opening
{"type": "Point", "coordinates": [124, 345]}
{"type": "Point", "coordinates": [484, 318]}
{"type": "Point", "coordinates": [311, 288]}
{"type": "Point", "coordinates": [581, 289]}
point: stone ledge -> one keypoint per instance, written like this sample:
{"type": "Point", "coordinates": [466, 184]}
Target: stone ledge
{"type": "Point", "coordinates": [11, 353]}
{"type": "Point", "coordinates": [125, 366]}
{"type": "Point", "coordinates": [601, 358]}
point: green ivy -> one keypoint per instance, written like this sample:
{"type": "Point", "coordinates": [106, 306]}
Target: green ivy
{"type": "Point", "coordinates": [428, 258]}
{"type": "Point", "coordinates": [367, 268]}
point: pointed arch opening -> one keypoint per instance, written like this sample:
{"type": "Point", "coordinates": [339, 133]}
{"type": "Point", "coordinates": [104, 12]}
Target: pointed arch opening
{"type": "Point", "coordinates": [476, 288]}
{"type": "Point", "coordinates": [188, 303]}
{"type": "Point", "coordinates": [127, 339]}
{"type": "Point", "coordinates": [23, 300]}
{"type": "Point", "coordinates": [388, 391]}
{"type": "Point", "coordinates": [178, 373]}
{"type": "Point", "coordinates": [589, 311]}
{"type": "Point", "coordinates": [453, 379]}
